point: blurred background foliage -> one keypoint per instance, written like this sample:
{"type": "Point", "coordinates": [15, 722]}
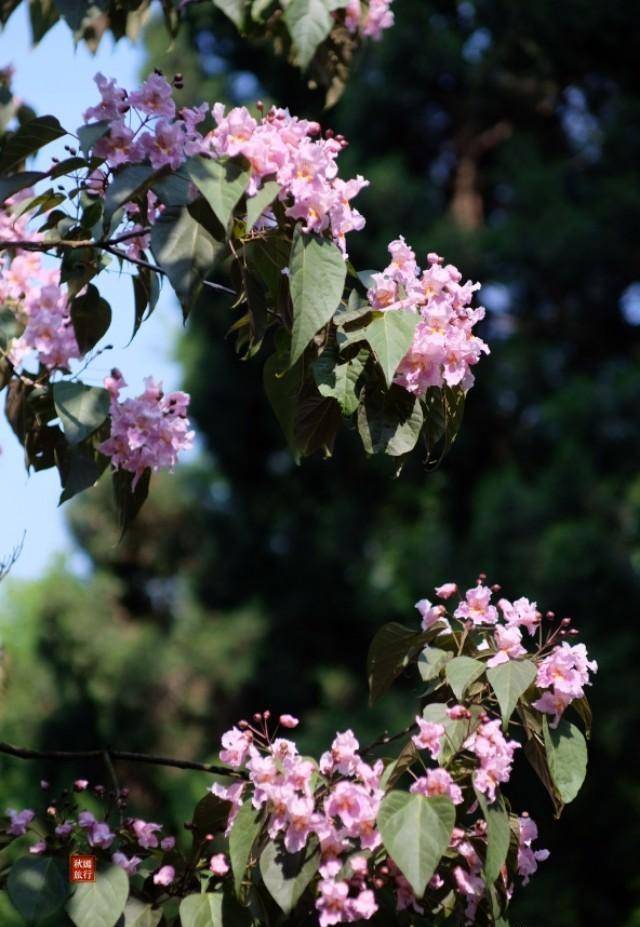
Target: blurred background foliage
{"type": "Point", "coordinates": [505, 135]}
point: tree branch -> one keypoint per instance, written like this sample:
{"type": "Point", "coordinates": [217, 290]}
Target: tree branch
{"type": "Point", "coordinates": [24, 753]}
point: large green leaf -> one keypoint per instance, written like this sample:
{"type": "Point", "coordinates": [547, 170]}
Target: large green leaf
{"type": "Point", "coordinates": [234, 9]}
{"type": "Point", "coordinates": [139, 914]}
{"type": "Point", "coordinates": [257, 203]}
{"type": "Point", "coordinates": [100, 903]}
{"type": "Point", "coordinates": [185, 251]}
{"type": "Point", "coordinates": [509, 681]}
{"type": "Point", "coordinates": [390, 422]}
{"type": "Point", "coordinates": [211, 814]}
{"type": "Point", "coordinates": [282, 387]}
{"type": "Point", "coordinates": [80, 468]}
{"type": "Point", "coordinates": [81, 409]}
{"type": "Point", "coordinates": [130, 181]}
{"type": "Point", "coordinates": [246, 828]}
{"type": "Point", "coordinates": [286, 875]}
{"type": "Point", "coordinates": [36, 888]}
{"type": "Point", "coordinates": [29, 138]}
{"type": "Point", "coordinates": [498, 834]}
{"type": "Point", "coordinates": [201, 910]}
{"type": "Point", "coordinates": [416, 832]}
{"type": "Point", "coordinates": [91, 318]}
{"type": "Point", "coordinates": [338, 379]}
{"type": "Point", "coordinates": [567, 758]}
{"type": "Point", "coordinates": [309, 23]}
{"type": "Point", "coordinates": [129, 499]}
{"type": "Point", "coordinates": [317, 272]}
{"type": "Point", "coordinates": [461, 672]}
{"type": "Point", "coordinates": [222, 183]}
{"type": "Point", "coordinates": [390, 335]}
{"type": "Point", "coordinates": [391, 650]}
{"type": "Point", "coordinates": [432, 661]}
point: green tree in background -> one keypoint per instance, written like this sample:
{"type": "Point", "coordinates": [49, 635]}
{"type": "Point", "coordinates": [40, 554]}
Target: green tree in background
{"type": "Point", "coordinates": [505, 136]}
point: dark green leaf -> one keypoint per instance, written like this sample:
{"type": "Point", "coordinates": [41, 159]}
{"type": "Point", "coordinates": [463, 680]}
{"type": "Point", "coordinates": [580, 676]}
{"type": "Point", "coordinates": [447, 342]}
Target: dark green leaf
{"type": "Point", "coordinates": [82, 409]}
{"type": "Point", "coordinates": [283, 387]}
{"type": "Point", "coordinates": [416, 832]}
{"type": "Point", "coordinates": [390, 422]}
{"type": "Point", "coordinates": [234, 9]}
{"type": "Point", "coordinates": [391, 651]}
{"type": "Point", "coordinates": [146, 290]}
{"type": "Point", "coordinates": [244, 832]}
{"type": "Point", "coordinates": [36, 888]}
{"type": "Point", "coordinates": [211, 815]}
{"type": "Point", "coordinates": [80, 468]}
{"type": "Point", "coordinates": [92, 133]}
{"type": "Point", "coordinates": [100, 903]}
{"type": "Point", "coordinates": [287, 875]}
{"type": "Point", "coordinates": [128, 183]}
{"type": "Point", "coordinates": [129, 499]}
{"type": "Point", "coordinates": [28, 139]}
{"type": "Point", "coordinates": [91, 317]}
{"type": "Point", "coordinates": [43, 15]}
{"type": "Point", "coordinates": [11, 185]}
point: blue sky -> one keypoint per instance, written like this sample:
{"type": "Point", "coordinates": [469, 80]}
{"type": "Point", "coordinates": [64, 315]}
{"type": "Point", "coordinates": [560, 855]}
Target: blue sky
{"type": "Point", "coordinates": [57, 78]}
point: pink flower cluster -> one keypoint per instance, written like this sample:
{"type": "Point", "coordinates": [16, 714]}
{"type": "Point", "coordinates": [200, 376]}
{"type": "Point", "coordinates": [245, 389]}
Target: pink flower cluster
{"type": "Point", "coordinates": [495, 756]}
{"type": "Point", "coordinates": [283, 147]}
{"type": "Point", "coordinates": [444, 348]}
{"type": "Point", "coordinates": [147, 432]}
{"type": "Point", "coordinates": [277, 146]}
{"type": "Point", "coordinates": [34, 294]}
{"type": "Point", "coordinates": [563, 674]}
{"type": "Point", "coordinates": [369, 19]}
{"type": "Point", "coordinates": [343, 820]}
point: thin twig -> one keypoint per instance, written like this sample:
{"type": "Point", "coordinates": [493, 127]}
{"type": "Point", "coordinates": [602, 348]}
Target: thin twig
{"type": "Point", "coordinates": [46, 243]}
{"type": "Point", "coordinates": [24, 753]}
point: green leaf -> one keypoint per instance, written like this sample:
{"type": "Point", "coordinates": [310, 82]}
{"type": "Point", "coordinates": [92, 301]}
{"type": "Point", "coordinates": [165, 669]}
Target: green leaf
{"type": "Point", "coordinates": [222, 183]}
{"type": "Point", "coordinates": [90, 134]}
{"type": "Point", "coordinates": [317, 272]}
{"type": "Point", "coordinates": [185, 251]}
{"type": "Point", "coordinates": [211, 814]}
{"type": "Point", "coordinates": [309, 23]}
{"type": "Point", "coordinates": [28, 139]}
{"type": "Point", "coordinates": [173, 190]}
{"type": "Point", "coordinates": [11, 185]}
{"type": "Point", "coordinates": [257, 203]}
{"type": "Point", "coordinates": [244, 832]}
{"type": "Point", "coordinates": [127, 183]}
{"type": "Point", "coordinates": [73, 11]}
{"type": "Point", "coordinates": [128, 498]}
{"type": "Point", "coordinates": [36, 888]}
{"type": "Point", "coordinates": [9, 917]}
{"type": "Point", "coordinates": [234, 9]}
{"type": "Point", "coordinates": [567, 758]}
{"type": "Point", "coordinates": [509, 681]}
{"type": "Point", "coordinates": [91, 318]}
{"type": "Point", "coordinates": [203, 910]}
{"type": "Point", "coordinates": [317, 421]}
{"type": "Point", "coordinates": [461, 672]}
{"type": "Point", "coordinates": [100, 903]}
{"type": "Point", "coordinates": [43, 16]}
{"type": "Point", "coordinates": [81, 409]}
{"type": "Point", "coordinates": [498, 834]}
{"type": "Point", "coordinates": [431, 662]}
{"type": "Point", "coordinates": [455, 731]}
{"type": "Point", "coordinates": [390, 422]}
{"type": "Point", "coordinates": [416, 832]}
{"type": "Point", "coordinates": [80, 469]}
{"type": "Point", "coordinates": [282, 387]}
{"type": "Point", "coordinates": [394, 770]}
{"type": "Point", "coordinates": [139, 914]}
{"type": "Point", "coordinates": [338, 380]}
{"type": "Point", "coordinates": [286, 875]}
{"type": "Point", "coordinates": [390, 335]}
{"type": "Point", "coordinates": [390, 652]}
{"type": "Point", "coordinates": [146, 291]}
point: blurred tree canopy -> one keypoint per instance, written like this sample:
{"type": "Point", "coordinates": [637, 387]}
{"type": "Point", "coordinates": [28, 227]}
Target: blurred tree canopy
{"type": "Point", "coordinates": [505, 136]}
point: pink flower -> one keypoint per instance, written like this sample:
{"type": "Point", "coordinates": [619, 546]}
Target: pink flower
{"type": "Point", "coordinates": [522, 612]}
{"type": "Point", "coordinates": [113, 101]}
{"type": "Point", "coordinates": [363, 906]}
{"type": "Point", "coordinates": [64, 829]}
{"type": "Point", "coordinates": [343, 757]}
{"type": "Point", "coordinates": [509, 641]}
{"type": "Point", "coordinates": [155, 97]}
{"type": "Point", "coordinates": [446, 590]}
{"type": "Point", "coordinates": [567, 669]}
{"type": "Point", "coordinates": [429, 736]}
{"type": "Point", "coordinates": [476, 607]}
{"type": "Point", "coordinates": [289, 721]}
{"type": "Point", "coordinates": [80, 785]}
{"type": "Point", "coordinates": [38, 848]}
{"type": "Point", "coordinates": [495, 755]}
{"type": "Point", "coordinates": [118, 146]}
{"type": "Point", "coordinates": [98, 833]}
{"type": "Point", "coordinates": [218, 865]}
{"type": "Point", "coordinates": [379, 17]}
{"type": "Point", "coordinates": [472, 887]}
{"type": "Point", "coordinates": [552, 703]}
{"type": "Point", "coordinates": [300, 819]}
{"type": "Point", "coordinates": [528, 858]}
{"type": "Point", "coordinates": [429, 613]}
{"type": "Point", "coordinates": [164, 876]}
{"type": "Point", "coordinates": [165, 146]}
{"type": "Point", "coordinates": [19, 821]}
{"type": "Point", "coordinates": [332, 902]}
{"type": "Point", "coordinates": [167, 844]}
{"type": "Point", "coordinates": [438, 782]}
{"type": "Point", "coordinates": [129, 864]}
{"type": "Point", "coordinates": [145, 832]}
